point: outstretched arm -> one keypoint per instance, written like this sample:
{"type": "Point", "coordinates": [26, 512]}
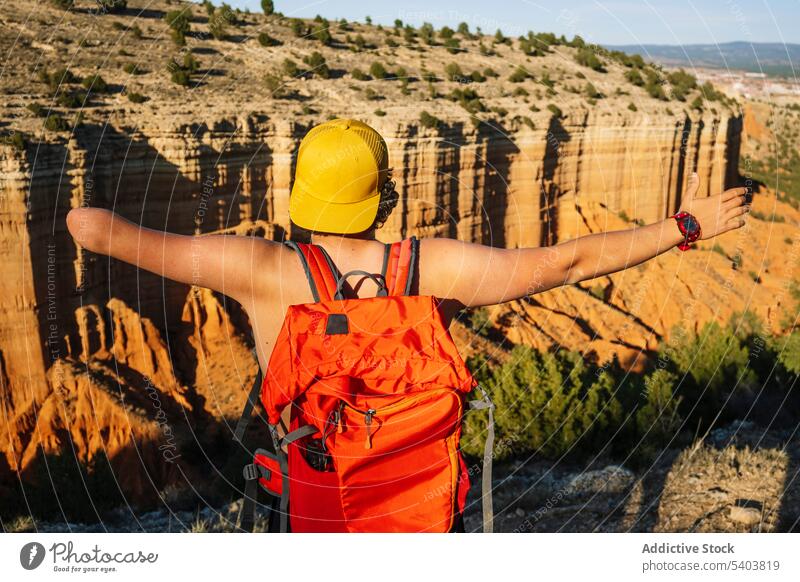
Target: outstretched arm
{"type": "Point", "coordinates": [223, 263]}
{"type": "Point", "coordinates": [477, 275]}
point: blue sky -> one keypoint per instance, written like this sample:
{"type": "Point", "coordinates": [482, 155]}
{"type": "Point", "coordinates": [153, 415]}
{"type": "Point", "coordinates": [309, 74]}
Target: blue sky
{"type": "Point", "coordinates": [606, 22]}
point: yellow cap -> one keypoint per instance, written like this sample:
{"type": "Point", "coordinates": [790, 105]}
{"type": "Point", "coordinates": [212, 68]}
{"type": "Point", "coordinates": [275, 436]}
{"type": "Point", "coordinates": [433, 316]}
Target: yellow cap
{"type": "Point", "coordinates": [341, 167]}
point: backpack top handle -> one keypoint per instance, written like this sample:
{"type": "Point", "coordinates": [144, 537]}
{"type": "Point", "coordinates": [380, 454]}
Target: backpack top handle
{"type": "Point", "coordinates": [343, 279]}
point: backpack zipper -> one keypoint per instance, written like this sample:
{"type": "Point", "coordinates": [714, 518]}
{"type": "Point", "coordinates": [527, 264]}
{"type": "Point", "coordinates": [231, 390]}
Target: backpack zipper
{"type": "Point", "coordinates": [371, 413]}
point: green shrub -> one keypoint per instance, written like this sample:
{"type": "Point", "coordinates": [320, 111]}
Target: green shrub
{"type": "Point", "coordinates": [63, 4]}
{"type": "Point", "coordinates": [71, 99]}
{"type": "Point", "coordinates": [36, 109]}
{"type": "Point", "coordinates": [710, 93]}
{"type": "Point", "coordinates": [490, 72]}
{"type": "Point", "coordinates": [556, 111]}
{"type": "Point", "coordinates": [178, 21]}
{"type": "Point", "coordinates": [372, 95]}
{"type": "Point", "coordinates": [379, 112]}
{"type": "Point", "coordinates": [180, 77]}
{"type": "Point", "coordinates": [530, 47]}
{"type": "Point", "coordinates": [299, 28]}
{"type": "Point", "coordinates": [519, 75]}
{"type": "Point", "coordinates": [453, 46]}
{"type": "Point", "coordinates": [218, 23]}
{"type": "Point", "coordinates": [95, 84]}
{"type": "Point", "coordinates": [468, 99]}
{"type": "Point", "coordinates": [591, 92]}
{"type": "Point", "coordinates": [112, 5]}
{"type": "Point", "coordinates": [15, 139]}
{"type": "Point", "coordinates": [190, 63]}
{"type": "Point", "coordinates": [632, 107]}
{"type": "Point", "coordinates": [429, 121]}
{"type": "Point", "coordinates": [655, 90]}
{"type": "Point", "coordinates": [318, 65]}
{"type": "Point", "coordinates": [788, 350]}
{"type": "Point", "coordinates": [659, 418]}
{"type": "Point", "coordinates": [136, 31]}
{"type": "Point", "coordinates": [181, 74]}
{"type": "Point", "coordinates": [274, 84]}
{"type": "Point", "coordinates": [264, 39]}
{"type": "Point", "coordinates": [359, 75]}
{"type": "Point", "coordinates": [360, 42]}
{"type": "Point", "coordinates": [587, 58]}
{"type": "Point", "coordinates": [134, 97]}
{"type": "Point", "coordinates": [322, 32]}
{"type": "Point", "coordinates": [453, 72]}
{"type": "Point", "coordinates": [681, 82]}
{"type": "Point", "coordinates": [378, 71]}
{"type": "Point", "coordinates": [268, 6]}
{"type": "Point", "coordinates": [133, 69]}
{"type": "Point", "coordinates": [634, 77]}
{"type": "Point", "coordinates": [290, 68]}
{"type": "Point", "coordinates": [55, 122]}
{"type": "Point", "coordinates": [426, 33]}
{"type": "Point", "coordinates": [550, 403]}
{"type": "Point", "coordinates": [58, 78]}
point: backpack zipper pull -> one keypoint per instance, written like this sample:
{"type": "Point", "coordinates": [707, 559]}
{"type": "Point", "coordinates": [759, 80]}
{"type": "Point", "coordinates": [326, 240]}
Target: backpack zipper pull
{"type": "Point", "coordinates": [368, 423]}
{"type": "Point", "coordinates": [339, 419]}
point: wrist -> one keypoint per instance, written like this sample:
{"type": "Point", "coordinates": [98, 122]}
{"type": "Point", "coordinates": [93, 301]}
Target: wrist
{"type": "Point", "coordinates": [688, 228]}
{"type": "Point", "coordinates": [672, 234]}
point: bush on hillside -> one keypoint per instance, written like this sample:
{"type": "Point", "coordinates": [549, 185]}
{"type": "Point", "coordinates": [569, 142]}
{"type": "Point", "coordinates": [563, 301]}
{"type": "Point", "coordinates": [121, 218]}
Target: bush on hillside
{"type": "Point", "coordinates": [429, 121]}
{"type": "Point", "coordinates": [178, 22]}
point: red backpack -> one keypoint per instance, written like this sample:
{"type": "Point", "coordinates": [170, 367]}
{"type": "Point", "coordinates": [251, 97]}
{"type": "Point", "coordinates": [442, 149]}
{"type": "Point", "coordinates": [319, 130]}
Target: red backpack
{"type": "Point", "coordinates": [377, 392]}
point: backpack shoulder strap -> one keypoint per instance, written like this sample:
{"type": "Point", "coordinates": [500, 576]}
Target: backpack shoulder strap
{"type": "Point", "coordinates": [400, 265]}
{"type": "Point", "coordinates": [322, 274]}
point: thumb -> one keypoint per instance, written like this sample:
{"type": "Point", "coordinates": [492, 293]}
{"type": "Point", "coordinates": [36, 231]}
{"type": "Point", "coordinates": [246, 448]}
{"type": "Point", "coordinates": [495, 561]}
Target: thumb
{"type": "Point", "coordinates": [692, 185]}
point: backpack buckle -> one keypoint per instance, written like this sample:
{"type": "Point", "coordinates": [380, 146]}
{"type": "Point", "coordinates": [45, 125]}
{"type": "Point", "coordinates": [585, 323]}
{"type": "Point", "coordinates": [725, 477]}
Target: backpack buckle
{"type": "Point", "coordinates": [250, 472]}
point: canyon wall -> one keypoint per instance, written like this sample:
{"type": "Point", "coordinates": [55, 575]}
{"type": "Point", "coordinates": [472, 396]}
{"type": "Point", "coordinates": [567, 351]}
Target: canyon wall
{"type": "Point", "coordinates": [96, 356]}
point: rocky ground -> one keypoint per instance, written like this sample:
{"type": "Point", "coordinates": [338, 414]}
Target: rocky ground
{"type": "Point", "coordinates": [740, 478]}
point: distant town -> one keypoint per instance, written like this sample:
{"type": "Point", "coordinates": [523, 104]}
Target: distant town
{"type": "Point", "coordinates": [747, 85]}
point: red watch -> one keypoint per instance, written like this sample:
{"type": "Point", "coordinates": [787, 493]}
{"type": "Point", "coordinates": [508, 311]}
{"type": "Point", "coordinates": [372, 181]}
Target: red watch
{"type": "Point", "coordinates": [689, 227]}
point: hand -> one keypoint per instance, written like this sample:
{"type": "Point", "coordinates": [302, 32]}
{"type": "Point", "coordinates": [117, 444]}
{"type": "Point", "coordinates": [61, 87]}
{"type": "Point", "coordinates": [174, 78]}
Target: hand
{"type": "Point", "coordinates": [716, 214]}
